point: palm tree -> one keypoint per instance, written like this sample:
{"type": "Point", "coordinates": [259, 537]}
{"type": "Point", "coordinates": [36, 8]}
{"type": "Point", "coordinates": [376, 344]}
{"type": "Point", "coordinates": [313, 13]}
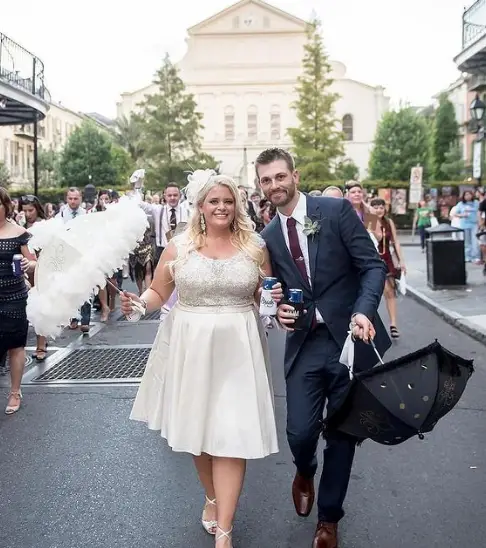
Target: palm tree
{"type": "Point", "coordinates": [128, 134]}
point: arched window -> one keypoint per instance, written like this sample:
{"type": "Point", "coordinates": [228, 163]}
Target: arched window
{"type": "Point", "coordinates": [348, 128]}
{"type": "Point", "coordinates": [229, 124]}
{"type": "Point", "coordinates": [252, 122]}
{"type": "Point", "coordinates": [275, 123]}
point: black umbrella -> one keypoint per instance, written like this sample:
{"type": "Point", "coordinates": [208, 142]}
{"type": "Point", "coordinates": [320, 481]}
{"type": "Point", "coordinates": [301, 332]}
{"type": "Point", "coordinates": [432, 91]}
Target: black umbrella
{"type": "Point", "coordinates": [403, 398]}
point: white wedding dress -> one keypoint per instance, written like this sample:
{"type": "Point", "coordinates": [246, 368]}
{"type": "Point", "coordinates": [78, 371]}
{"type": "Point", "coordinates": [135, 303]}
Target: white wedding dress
{"type": "Point", "coordinates": [207, 385]}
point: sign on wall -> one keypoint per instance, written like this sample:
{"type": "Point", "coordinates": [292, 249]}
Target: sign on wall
{"type": "Point", "coordinates": [416, 189]}
{"type": "Point", "coordinates": [477, 150]}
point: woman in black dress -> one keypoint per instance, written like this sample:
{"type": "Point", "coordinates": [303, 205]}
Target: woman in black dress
{"type": "Point", "coordinates": [13, 298]}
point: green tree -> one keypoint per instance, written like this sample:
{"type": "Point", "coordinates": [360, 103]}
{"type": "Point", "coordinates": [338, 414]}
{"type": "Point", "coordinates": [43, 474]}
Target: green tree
{"type": "Point", "coordinates": [171, 128]}
{"type": "Point", "coordinates": [346, 170]}
{"type": "Point", "coordinates": [123, 164]}
{"type": "Point", "coordinates": [49, 168]}
{"type": "Point", "coordinates": [128, 134]}
{"type": "Point", "coordinates": [4, 176]}
{"type": "Point", "coordinates": [317, 143]}
{"type": "Point", "coordinates": [444, 135]}
{"type": "Point", "coordinates": [401, 142]}
{"type": "Point", "coordinates": [454, 167]}
{"type": "Point", "coordinates": [87, 157]}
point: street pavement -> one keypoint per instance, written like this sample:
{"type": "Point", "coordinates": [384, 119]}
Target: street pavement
{"type": "Point", "coordinates": [76, 473]}
{"type": "Point", "coordinates": [463, 308]}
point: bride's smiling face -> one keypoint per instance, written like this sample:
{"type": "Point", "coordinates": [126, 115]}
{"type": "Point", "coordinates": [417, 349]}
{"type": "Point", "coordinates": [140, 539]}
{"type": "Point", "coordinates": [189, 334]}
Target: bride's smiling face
{"type": "Point", "coordinates": [218, 207]}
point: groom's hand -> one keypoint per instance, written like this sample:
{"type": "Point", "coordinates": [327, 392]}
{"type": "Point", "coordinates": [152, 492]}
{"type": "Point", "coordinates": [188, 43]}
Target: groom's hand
{"type": "Point", "coordinates": [285, 316]}
{"type": "Point", "coordinates": [362, 328]}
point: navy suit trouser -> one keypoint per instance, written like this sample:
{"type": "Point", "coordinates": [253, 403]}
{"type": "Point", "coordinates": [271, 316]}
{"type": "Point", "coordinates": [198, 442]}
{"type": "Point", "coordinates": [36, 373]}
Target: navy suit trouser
{"type": "Point", "coordinates": [317, 376]}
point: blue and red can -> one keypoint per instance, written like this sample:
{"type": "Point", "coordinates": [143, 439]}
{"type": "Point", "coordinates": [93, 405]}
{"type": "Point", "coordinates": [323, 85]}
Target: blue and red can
{"type": "Point", "coordinates": [16, 265]}
{"type": "Point", "coordinates": [296, 301]}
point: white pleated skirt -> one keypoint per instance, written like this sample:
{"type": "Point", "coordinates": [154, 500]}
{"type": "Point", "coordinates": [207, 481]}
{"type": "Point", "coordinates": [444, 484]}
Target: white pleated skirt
{"type": "Point", "coordinates": [207, 385]}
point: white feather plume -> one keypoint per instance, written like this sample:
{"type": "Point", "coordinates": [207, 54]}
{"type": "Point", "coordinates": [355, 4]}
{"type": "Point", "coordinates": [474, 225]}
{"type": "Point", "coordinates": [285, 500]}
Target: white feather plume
{"type": "Point", "coordinates": [78, 256]}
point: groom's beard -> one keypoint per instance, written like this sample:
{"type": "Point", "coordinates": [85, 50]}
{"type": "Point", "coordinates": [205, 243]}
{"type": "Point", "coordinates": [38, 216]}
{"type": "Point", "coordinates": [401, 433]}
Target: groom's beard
{"type": "Point", "coordinates": [281, 197]}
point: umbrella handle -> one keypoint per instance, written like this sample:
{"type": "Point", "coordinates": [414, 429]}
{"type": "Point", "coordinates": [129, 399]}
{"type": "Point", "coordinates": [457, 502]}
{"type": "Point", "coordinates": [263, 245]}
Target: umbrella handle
{"type": "Point", "coordinates": [137, 305]}
{"type": "Point", "coordinates": [372, 342]}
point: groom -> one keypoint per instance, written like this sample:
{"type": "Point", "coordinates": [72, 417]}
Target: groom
{"type": "Point", "coordinates": [342, 279]}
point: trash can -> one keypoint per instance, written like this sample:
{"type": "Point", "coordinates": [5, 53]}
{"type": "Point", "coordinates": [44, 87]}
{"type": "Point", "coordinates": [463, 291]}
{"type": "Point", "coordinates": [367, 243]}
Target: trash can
{"type": "Point", "coordinates": [446, 264]}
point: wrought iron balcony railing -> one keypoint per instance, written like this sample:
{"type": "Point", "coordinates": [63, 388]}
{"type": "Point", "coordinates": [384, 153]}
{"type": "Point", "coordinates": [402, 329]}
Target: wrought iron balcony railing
{"type": "Point", "coordinates": [21, 69]}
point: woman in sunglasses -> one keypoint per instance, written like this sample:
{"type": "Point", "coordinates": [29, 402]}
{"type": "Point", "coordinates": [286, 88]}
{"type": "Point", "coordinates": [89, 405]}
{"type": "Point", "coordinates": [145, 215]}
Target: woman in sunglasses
{"type": "Point", "coordinates": [33, 212]}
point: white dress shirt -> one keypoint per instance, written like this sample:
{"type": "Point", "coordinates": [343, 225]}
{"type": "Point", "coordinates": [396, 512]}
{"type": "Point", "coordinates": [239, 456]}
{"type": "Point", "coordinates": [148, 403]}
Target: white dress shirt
{"type": "Point", "coordinates": [298, 214]}
{"type": "Point", "coordinates": [67, 214]}
{"type": "Point", "coordinates": [161, 215]}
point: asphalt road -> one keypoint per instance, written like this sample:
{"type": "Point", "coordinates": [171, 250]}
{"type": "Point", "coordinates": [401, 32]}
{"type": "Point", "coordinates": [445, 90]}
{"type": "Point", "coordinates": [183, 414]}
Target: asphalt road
{"type": "Point", "coordinates": [76, 473]}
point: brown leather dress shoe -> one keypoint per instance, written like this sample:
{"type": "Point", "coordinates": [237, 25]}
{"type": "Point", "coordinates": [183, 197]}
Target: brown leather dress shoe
{"type": "Point", "coordinates": [303, 495]}
{"type": "Point", "coordinates": [326, 535]}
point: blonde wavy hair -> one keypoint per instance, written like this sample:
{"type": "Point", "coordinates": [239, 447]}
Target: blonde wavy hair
{"type": "Point", "coordinates": [243, 235]}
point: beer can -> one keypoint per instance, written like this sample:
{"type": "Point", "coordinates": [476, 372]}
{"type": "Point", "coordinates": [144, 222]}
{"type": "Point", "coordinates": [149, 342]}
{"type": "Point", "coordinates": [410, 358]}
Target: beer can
{"type": "Point", "coordinates": [16, 267]}
{"type": "Point", "coordinates": [269, 282]}
{"type": "Point", "coordinates": [296, 301]}
{"type": "Point", "coordinates": [268, 306]}
{"type": "Point", "coordinates": [296, 296]}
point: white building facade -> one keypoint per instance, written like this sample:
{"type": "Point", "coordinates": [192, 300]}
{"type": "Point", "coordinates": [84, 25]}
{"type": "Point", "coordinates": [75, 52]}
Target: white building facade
{"type": "Point", "coordinates": [17, 142]}
{"type": "Point", "coordinates": [242, 66]}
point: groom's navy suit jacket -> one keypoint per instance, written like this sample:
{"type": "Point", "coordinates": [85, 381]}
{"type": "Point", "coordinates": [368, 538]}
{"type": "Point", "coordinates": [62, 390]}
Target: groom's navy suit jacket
{"type": "Point", "coordinates": [347, 276]}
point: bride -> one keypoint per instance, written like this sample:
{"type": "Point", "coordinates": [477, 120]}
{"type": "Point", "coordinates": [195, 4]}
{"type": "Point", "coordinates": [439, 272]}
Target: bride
{"type": "Point", "coordinates": [207, 385]}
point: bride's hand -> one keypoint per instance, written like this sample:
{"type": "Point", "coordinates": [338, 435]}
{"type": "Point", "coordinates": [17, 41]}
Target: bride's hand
{"type": "Point", "coordinates": [126, 300]}
{"type": "Point", "coordinates": [277, 292]}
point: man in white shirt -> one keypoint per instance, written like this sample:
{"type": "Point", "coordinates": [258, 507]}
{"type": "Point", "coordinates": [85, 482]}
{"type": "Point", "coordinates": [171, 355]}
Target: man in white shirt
{"type": "Point", "coordinates": [73, 205]}
{"type": "Point", "coordinates": [71, 211]}
{"type": "Point", "coordinates": [166, 217]}
{"type": "Point", "coordinates": [319, 246]}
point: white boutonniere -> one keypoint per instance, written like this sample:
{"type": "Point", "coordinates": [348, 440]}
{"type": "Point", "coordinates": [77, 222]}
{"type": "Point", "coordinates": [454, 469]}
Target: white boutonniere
{"type": "Point", "coordinates": [311, 228]}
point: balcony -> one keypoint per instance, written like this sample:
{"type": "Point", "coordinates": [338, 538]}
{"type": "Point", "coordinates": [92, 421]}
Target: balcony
{"type": "Point", "coordinates": [472, 58]}
{"type": "Point", "coordinates": [23, 96]}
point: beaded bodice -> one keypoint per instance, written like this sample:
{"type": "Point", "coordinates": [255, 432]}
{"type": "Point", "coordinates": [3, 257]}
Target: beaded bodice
{"type": "Point", "coordinates": [201, 281]}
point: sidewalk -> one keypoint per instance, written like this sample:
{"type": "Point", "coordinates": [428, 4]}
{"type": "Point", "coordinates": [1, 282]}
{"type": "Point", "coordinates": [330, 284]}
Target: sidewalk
{"type": "Point", "coordinates": [465, 309]}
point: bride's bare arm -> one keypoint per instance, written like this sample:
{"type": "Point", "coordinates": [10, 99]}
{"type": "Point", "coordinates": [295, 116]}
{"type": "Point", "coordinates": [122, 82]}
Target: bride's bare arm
{"type": "Point", "coordinates": [162, 285]}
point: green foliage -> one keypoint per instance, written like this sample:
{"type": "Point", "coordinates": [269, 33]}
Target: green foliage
{"type": "Point", "coordinates": [170, 130]}
{"type": "Point", "coordinates": [317, 144]}
{"type": "Point", "coordinates": [346, 170]}
{"type": "Point", "coordinates": [401, 142]}
{"type": "Point", "coordinates": [4, 176]}
{"type": "Point", "coordinates": [454, 166]}
{"type": "Point", "coordinates": [128, 134]}
{"type": "Point", "coordinates": [49, 168]}
{"type": "Point", "coordinates": [444, 135]}
{"type": "Point", "coordinates": [123, 164]}
{"type": "Point", "coordinates": [88, 152]}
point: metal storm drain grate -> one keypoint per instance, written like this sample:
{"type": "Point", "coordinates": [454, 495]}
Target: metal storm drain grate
{"type": "Point", "coordinates": [84, 364]}
{"type": "Point", "coordinates": [151, 316]}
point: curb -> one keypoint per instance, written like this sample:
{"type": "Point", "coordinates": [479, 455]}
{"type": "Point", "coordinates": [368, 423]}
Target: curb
{"type": "Point", "coordinates": [453, 318]}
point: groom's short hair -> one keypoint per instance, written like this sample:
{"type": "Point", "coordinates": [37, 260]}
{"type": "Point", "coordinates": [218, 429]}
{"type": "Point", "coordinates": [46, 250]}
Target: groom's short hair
{"type": "Point", "coordinates": [272, 155]}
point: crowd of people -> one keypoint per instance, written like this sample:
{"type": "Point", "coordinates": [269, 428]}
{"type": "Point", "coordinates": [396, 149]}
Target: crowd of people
{"type": "Point", "coordinates": [203, 261]}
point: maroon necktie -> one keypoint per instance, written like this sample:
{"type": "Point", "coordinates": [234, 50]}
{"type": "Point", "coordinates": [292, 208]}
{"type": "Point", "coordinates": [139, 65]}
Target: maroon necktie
{"type": "Point", "coordinates": [297, 255]}
{"type": "Point", "coordinates": [295, 249]}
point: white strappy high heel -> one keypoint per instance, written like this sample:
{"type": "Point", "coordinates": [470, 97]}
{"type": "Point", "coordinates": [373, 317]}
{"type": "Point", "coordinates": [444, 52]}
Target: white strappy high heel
{"type": "Point", "coordinates": [17, 396]}
{"type": "Point", "coordinates": [210, 526]}
{"type": "Point", "coordinates": [220, 534]}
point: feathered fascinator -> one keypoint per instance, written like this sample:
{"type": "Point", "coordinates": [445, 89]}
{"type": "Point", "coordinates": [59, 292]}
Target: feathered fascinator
{"type": "Point", "coordinates": [197, 180]}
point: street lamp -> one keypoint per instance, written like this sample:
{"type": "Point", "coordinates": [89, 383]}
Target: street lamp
{"type": "Point", "coordinates": [477, 109]}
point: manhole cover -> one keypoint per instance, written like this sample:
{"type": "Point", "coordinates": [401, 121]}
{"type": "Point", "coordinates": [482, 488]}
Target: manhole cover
{"type": "Point", "coordinates": [151, 316]}
{"type": "Point", "coordinates": [84, 364]}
